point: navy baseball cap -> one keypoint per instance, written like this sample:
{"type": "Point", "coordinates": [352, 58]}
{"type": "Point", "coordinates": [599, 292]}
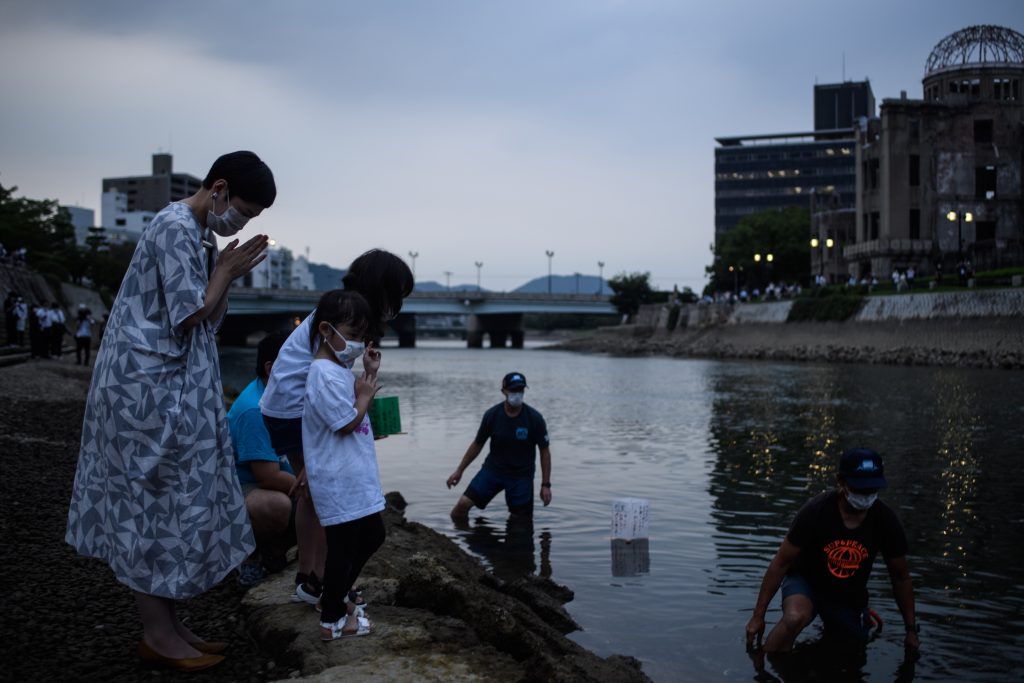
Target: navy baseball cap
{"type": "Point", "coordinates": [514, 380]}
{"type": "Point", "coordinates": [862, 468]}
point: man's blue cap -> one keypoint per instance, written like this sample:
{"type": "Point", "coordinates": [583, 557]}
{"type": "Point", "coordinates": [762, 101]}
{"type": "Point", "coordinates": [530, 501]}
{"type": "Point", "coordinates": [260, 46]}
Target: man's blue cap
{"type": "Point", "coordinates": [514, 380]}
{"type": "Point", "coordinates": [862, 468]}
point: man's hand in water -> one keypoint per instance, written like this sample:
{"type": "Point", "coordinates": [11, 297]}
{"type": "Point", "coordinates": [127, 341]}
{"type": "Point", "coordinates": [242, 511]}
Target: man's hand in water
{"type": "Point", "coordinates": [755, 629]}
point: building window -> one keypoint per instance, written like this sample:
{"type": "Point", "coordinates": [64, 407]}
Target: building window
{"type": "Point", "coordinates": [1005, 88]}
{"type": "Point", "coordinates": [985, 230]}
{"type": "Point", "coordinates": [985, 182]}
{"type": "Point", "coordinates": [983, 130]}
{"type": "Point", "coordinates": [873, 174]}
{"type": "Point", "coordinates": [915, 224]}
{"type": "Point", "coordinates": [120, 222]}
{"type": "Point", "coordinates": [874, 225]}
{"type": "Point", "coordinates": [915, 170]}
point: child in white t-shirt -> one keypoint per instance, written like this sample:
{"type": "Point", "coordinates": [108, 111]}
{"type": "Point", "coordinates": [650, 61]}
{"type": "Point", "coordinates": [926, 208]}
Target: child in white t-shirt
{"type": "Point", "coordinates": [340, 458]}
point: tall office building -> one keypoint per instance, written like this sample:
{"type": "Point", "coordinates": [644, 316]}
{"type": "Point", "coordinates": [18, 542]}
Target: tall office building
{"type": "Point", "coordinates": [154, 192]}
{"type": "Point", "coordinates": [129, 202]}
{"type": "Point", "coordinates": [840, 105]}
{"type": "Point", "coordinates": [762, 172]}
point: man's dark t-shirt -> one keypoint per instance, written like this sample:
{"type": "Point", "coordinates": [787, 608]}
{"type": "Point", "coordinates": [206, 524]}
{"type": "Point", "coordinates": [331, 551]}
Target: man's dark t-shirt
{"type": "Point", "coordinates": [837, 561]}
{"type": "Point", "coordinates": [513, 439]}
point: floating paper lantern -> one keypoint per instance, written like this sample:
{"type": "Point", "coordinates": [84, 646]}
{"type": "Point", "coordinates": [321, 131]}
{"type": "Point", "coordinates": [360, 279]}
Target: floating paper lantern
{"type": "Point", "coordinates": [630, 518]}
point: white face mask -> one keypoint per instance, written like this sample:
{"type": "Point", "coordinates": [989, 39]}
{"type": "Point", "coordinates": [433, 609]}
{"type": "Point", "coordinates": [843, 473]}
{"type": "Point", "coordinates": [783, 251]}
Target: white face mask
{"type": "Point", "coordinates": [860, 501]}
{"type": "Point", "coordinates": [227, 223]}
{"type": "Point", "coordinates": [515, 398]}
{"type": "Point", "coordinates": [352, 350]}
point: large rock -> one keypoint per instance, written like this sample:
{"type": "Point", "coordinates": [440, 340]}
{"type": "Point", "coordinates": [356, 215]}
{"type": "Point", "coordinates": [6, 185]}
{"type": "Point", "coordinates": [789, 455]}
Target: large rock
{"type": "Point", "coordinates": [439, 617]}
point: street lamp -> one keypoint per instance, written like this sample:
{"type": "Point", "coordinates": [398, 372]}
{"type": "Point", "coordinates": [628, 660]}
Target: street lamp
{"type": "Point", "coordinates": [413, 255]}
{"type": "Point", "coordinates": [448, 280]}
{"type": "Point", "coordinates": [960, 217]}
{"type": "Point", "coordinates": [600, 277]}
{"type": "Point", "coordinates": [735, 270]}
{"type": "Point", "coordinates": [479, 265]}
{"type": "Point", "coordinates": [577, 283]}
{"type": "Point", "coordinates": [549, 254]}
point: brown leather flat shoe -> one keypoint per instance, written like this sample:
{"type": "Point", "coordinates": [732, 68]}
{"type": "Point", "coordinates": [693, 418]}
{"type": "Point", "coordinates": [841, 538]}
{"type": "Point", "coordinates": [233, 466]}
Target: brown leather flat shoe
{"type": "Point", "coordinates": [151, 656]}
{"type": "Point", "coordinates": [212, 647]}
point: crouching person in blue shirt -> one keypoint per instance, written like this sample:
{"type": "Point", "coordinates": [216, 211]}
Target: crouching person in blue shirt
{"type": "Point", "coordinates": [266, 477]}
{"type": "Point", "coordinates": [516, 431]}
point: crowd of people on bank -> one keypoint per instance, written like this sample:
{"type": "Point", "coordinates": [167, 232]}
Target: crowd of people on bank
{"type": "Point", "coordinates": [18, 256]}
{"type": "Point", "coordinates": [46, 327]}
{"type": "Point", "coordinates": [174, 492]}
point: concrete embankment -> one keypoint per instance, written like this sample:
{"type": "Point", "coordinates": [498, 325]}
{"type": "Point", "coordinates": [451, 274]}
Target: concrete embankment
{"type": "Point", "coordinates": [971, 329]}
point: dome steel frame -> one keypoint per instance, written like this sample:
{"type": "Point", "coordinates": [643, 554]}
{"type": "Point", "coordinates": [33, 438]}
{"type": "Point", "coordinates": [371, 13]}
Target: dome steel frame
{"type": "Point", "coordinates": [977, 46]}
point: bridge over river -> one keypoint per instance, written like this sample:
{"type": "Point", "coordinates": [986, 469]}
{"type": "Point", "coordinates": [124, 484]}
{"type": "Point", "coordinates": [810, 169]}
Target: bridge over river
{"type": "Point", "coordinates": [499, 315]}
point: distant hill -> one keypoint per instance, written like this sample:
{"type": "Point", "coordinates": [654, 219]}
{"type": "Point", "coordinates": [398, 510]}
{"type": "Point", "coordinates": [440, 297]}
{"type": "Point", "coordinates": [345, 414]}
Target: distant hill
{"type": "Point", "coordinates": [564, 284]}
{"type": "Point", "coordinates": [325, 277]}
{"type": "Point", "coordinates": [432, 286]}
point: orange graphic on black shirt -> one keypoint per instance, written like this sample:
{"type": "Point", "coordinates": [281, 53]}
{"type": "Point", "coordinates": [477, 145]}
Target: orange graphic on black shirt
{"type": "Point", "coordinates": [844, 557]}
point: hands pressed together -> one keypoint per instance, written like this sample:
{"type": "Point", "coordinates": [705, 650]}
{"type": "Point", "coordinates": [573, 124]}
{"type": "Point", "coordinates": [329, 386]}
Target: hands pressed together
{"type": "Point", "coordinates": [236, 260]}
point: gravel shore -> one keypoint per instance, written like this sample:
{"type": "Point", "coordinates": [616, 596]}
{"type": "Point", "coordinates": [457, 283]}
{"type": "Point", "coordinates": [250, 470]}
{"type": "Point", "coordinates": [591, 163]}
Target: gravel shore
{"type": "Point", "coordinates": [65, 617]}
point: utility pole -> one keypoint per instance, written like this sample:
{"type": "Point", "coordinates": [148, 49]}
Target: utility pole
{"type": "Point", "coordinates": [413, 255]}
{"type": "Point", "coordinates": [479, 265]}
{"type": "Point", "coordinates": [448, 280]}
{"type": "Point", "coordinates": [549, 254]}
{"type": "Point", "coordinates": [600, 277]}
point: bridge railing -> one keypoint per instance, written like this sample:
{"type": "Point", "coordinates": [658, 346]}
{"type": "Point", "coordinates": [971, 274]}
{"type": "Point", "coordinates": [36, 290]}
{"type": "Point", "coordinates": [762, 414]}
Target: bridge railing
{"type": "Point", "coordinates": [461, 294]}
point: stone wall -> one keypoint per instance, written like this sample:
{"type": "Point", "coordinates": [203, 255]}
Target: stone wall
{"type": "Point", "coordinates": [938, 305]}
{"type": "Point", "coordinates": [973, 303]}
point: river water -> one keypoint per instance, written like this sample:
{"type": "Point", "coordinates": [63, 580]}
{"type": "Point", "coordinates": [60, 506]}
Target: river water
{"type": "Point", "coordinates": [726, 453]}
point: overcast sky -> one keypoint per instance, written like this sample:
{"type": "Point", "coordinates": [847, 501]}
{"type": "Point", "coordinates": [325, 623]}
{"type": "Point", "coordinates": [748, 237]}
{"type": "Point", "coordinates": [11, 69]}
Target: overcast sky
{"type": "Point", "coordinates": [462, 130]}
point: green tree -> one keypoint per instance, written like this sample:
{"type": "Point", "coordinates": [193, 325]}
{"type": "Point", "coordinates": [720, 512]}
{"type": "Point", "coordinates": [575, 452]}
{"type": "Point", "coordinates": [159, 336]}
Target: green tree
{"type": "Point", "coordinates": [631, 291]}
{"type": "Point", "coordinates": [43, 228]}
{"type": "Point", "coordinates": [46, 231]}
{"type": "Point", "coordinates": [782, 233]}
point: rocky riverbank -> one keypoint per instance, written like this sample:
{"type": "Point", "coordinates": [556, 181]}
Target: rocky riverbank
{"type": "Point", "coordinates": [440, 616]}
{"type": "Point", "coordinates": [966, 342]}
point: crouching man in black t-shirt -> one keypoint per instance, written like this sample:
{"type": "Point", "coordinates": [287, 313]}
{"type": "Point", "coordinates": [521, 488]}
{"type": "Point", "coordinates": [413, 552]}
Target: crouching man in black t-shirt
{"type": "Point", "coordinates": [516, 430]}
{"type": "Point", "coordinates": [825, 560]}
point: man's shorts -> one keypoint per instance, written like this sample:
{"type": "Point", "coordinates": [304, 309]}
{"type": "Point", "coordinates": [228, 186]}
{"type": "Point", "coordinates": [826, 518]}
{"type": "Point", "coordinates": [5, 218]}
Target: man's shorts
{"type": "Point", "coordinates": [285, 434]}
{"type": "Point", "coordinates": [839, 620]}
{"type": "Point", "coordinates": [487, 483]}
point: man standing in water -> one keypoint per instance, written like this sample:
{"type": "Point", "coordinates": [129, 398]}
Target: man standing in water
{"type": "Point", "coordinates": [515, 430]}
{"type": "Point", "coordinates": [825, 560]}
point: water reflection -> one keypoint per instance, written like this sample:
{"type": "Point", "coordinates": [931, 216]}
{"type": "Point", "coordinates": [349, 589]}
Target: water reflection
{"type": "Point", "coordinates": [775, 437]}
{"type": "Point", "coordinates": [631, 558]}
{"type": "Point", "coordinates": [510, 555]}
{"type": "Point", "coordinates": [824, 659]}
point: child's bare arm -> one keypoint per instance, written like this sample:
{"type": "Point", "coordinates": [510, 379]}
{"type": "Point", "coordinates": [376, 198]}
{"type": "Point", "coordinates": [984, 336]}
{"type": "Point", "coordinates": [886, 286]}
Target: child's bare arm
{"type": "Point", "coordinates": [366, 388]}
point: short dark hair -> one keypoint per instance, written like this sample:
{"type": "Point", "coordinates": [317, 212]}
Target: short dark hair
{"type": "Point", "coordinates": [339, 305]}
{"type": "Point", "coordinates": [384, 280]}
{"type": "Point", "coordinates": [247, 176]}
{"type": "Point", "coordinates": [267, 350]}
